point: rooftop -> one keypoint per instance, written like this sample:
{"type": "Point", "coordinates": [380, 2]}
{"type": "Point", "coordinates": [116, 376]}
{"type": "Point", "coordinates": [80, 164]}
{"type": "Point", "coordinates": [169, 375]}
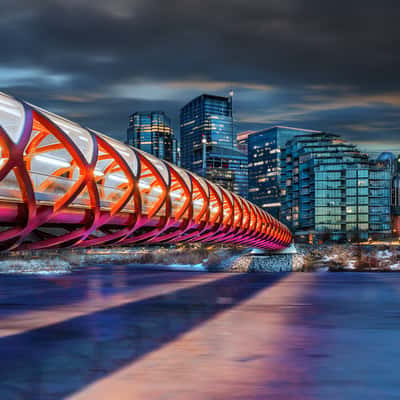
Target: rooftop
{"type": "Point", "coordinates": [285, 127]}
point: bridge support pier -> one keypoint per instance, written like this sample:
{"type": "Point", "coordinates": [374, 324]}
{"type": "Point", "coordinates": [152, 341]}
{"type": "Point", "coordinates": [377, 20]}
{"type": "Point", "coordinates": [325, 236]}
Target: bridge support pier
{"type": "Point", "coordinates": [271, 261]}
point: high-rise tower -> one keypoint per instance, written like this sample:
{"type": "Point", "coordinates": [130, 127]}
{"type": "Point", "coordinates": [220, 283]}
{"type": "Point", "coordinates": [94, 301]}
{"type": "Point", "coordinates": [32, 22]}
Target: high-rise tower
{"type": "Point", "coordinates": [208, 146]}
{"type": "Point", "coordinates": [152, 133]}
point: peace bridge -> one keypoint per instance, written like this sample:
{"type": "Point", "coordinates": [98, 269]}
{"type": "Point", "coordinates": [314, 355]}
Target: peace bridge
{"type": "Point", "coordinates": [64, 185]}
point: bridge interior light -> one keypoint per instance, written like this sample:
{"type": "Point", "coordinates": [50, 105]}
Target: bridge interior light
{"type": "Point", "coordinates": [98, 172]}
{"type": "Point", "coordinates": [175, 195]}
{"type": "Point", "coordinates": [52, 161]}
{"type": "Point", "coordinates": [118, 178]}
{"type": "Point", "coordinates": [144, 185]}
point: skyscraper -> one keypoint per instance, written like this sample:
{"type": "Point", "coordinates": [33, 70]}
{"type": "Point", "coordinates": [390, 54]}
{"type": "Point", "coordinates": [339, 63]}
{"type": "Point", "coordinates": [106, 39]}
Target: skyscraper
{"type": "Point", "coordinates": [330, 190]}
{"type": "Point", "coordinates": [390, 161]}
{"type": "Point", "coordinates": [242, 143]}
{"type": "Point", "coordinates": [152, 133]}
{"type": "Point", "coordinates": [208, 147]}
{"type": "Point", "coordinates": [264, 148]}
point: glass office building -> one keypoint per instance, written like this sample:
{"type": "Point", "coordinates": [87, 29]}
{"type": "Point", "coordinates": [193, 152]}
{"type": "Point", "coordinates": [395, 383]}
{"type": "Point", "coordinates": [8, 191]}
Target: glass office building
{"type": "Point", "coordinates": [332, 191]}
{"type": "Point", "coordinates": [152, 133]}
{"type": "Point", "coordinates": [242, 143]}
{"type": "Point", "coordinates": [208, 147]}
{"type": "Point", "coordinates": [264, 169]}
{"type": "Point", "coordinates": [389, 160]}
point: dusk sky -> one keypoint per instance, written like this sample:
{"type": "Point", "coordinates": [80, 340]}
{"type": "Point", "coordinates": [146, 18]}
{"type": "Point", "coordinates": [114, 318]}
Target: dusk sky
{"type": "Point", "coordinates": [325, 65]}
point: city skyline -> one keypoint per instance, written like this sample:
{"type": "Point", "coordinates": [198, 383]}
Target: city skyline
{"type": "Point", "coordinates": [289, 63]}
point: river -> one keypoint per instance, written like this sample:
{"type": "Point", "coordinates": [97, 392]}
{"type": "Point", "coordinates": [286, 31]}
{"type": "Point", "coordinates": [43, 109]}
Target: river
{"type": "Point", "coordinates": [116, 332]}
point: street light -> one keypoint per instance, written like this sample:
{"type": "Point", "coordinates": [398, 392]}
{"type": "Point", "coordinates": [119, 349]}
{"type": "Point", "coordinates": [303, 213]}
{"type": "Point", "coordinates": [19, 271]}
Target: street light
{"type": "Point", "coordinates": [204, 142]}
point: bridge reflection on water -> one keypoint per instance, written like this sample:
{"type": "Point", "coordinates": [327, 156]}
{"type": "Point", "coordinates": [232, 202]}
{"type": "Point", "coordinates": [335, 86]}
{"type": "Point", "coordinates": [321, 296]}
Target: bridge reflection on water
{"type": "Point", "coordinates": [120, 333]}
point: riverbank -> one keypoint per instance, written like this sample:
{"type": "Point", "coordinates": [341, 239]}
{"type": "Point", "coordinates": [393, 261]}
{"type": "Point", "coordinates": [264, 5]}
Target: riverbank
{"type": "Point", "coordinates": [309, 258]}
{"type": "Point", "coordinates": [350, 257]}
{"type": "Point", "coordinates": [188, 257]}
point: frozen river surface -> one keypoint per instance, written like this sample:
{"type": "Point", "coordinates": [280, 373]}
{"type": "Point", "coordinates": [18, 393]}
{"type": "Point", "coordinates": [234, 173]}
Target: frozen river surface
{"type": "Point", "coordinates": [120, 333]}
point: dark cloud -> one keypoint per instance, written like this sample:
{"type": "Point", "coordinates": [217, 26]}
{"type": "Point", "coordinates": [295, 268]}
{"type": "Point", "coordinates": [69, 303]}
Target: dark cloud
{"type": "Point", "coordinates": [324, 65]}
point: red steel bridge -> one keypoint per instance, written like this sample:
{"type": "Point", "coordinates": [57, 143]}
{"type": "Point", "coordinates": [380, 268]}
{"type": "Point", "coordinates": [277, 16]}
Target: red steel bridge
{"type": "Point", "coordinates": [65, 185]}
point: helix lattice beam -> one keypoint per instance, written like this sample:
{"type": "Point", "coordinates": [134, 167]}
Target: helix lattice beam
{"type": "Point", "coordinates": [64, 185]}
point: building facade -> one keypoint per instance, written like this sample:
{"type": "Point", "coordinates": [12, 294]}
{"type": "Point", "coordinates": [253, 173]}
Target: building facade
{"type": "Point", "coordinates": [152, 133]}
{"type": "Point", "coordinates": [396, 205]}
{"type": "Point", "coordinates": [208, 146]}
{"type": "Point", "coordinates": [332, 191]}
{"type": "Point", "coordinates": [264, 166]}
{"type": "Point", "coordinates": [390, 161]}
{"type": "Point", "coordinates": [242, 141]}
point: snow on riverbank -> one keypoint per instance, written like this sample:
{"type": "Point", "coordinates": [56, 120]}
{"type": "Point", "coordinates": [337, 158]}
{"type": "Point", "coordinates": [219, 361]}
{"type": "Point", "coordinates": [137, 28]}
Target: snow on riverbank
{"type": "Point", "coordinates": [336, 257]}
{"type": "Point", "coordinates": [173, 267]}
{"type": "Point", "coordinates": [45, 266]}
{"type": "Point", "coordinates": [348, 257]}
{"type": "Point", "coordinates": [58, 262]}
{"type": "Point", "coordinates": [35, 266]}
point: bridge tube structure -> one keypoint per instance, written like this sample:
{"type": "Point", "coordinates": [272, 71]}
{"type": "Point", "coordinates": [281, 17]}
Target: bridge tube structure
{"type": "Point", "coordinates": [63, 185]}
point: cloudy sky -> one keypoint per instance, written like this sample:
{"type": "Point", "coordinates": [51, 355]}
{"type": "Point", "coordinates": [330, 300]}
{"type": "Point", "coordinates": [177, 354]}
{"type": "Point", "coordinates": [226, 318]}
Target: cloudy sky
{"type": "Point", "coordinates": [328, 65]}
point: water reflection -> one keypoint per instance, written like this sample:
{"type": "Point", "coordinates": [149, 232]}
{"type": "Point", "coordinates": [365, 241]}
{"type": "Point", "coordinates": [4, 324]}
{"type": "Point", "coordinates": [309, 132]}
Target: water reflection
{"type": "Point", "coordinates": [22, 293]}
{"type": "Point", "coordinates": [59, 359]}
{"type": "Point", "coordinates": [202, 336]}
